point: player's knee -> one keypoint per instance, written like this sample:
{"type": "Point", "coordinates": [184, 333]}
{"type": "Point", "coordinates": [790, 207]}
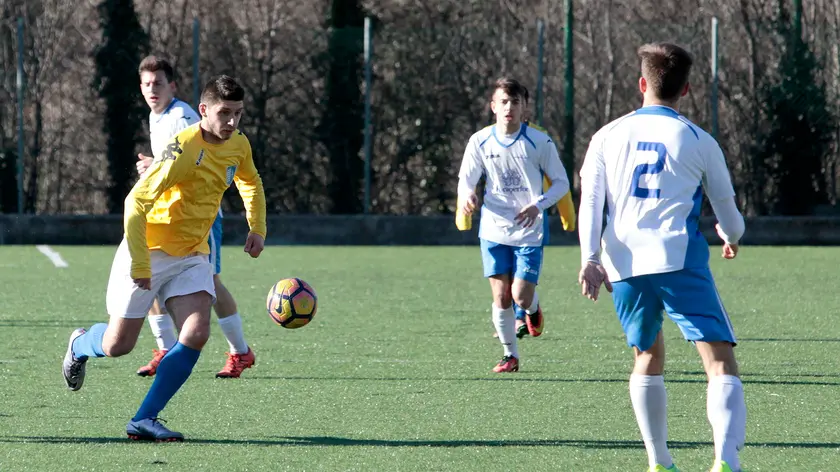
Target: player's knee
{"type": "Point", "coordinates": [523, 292]}
{"type": "Point", "coordinates": [649, 365]}
{"type": "Point", "coordinates": [502, 292]}
{"type": "Point", "coordinates": [523, 299]}
{"type": "Point", "coordinates": [718, 358]}
{"type": "Point", "coordinates": [716, 368]}
{"type": "Point", "coordinates": [650, 361]}
{"type": "Point", "coordinates": [196, 336]}
{"type": "Point", "coordinates": [503, 300]}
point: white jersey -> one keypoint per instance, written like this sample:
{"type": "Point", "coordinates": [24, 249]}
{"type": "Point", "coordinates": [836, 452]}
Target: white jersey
{"type": "Point", "coordinates": [650, 167]}
{"type": "Point", "coordinates": [514, 166]}
{"type": "Point", "coordinates": [177, 116]}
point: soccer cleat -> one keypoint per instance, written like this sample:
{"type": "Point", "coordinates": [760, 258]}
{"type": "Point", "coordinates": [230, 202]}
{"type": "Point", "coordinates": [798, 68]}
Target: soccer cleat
{"type": "Point", "coordinates": [151, 429]}
{"type": "Point", "coordinates": [521, 329]}
{"type": "Point", "coordinates": [235, 364]}
{"type": "Point", "coordinates": [150, 369]}
{"type": "Point", "coordinates": [507, 364]}
{"type": "Point", "coordinates": [661, 468]}
{"type": "Point", "coordinates": [535, 322]}
{"type": "Point", "coordinates": [72, 368]}
{"type": "Point", "coordinates": [721, 466]}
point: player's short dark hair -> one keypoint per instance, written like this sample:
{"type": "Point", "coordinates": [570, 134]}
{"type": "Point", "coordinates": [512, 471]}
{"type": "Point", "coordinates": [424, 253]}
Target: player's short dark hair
{"type": "Point", "coordinates": [665, 67]}
{"type": "Point", "coordinates": [154, 64]}
{"type": "Point", "coordinates": [223, 87]}
{"type": "Point", "coordinates": [511, 87]}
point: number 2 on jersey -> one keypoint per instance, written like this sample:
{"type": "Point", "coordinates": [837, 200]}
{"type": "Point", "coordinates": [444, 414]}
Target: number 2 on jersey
{"type": "Point", "coordinates": [655, 168]}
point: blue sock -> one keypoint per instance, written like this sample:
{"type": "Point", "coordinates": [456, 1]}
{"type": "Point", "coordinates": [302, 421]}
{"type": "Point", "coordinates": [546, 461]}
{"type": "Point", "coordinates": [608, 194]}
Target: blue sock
{"type": "Point", "coordinates": [90, 343]}
{"type": "Point", "coordinates": [520, 313]}
{"type": "Point", "coordinates": [173, 371]}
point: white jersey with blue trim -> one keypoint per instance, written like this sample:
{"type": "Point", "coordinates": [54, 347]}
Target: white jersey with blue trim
{"type": "Point", "coordinates": [177, 116]}
{"type": "Point", "coordinates": [514, 166]}
{"type": "Point", "coordinates": [650, 167]}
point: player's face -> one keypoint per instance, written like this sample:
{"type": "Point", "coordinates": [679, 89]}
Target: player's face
{"type": "Point", "coordinates": [508, 109]}
{"type": "Point", "coordinates": [157, 91]}
{"type": "Point", "coordinates": [222, 118]}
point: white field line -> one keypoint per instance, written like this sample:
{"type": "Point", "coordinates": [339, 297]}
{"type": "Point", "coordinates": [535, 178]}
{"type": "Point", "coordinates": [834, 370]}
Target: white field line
{"type": "Point", "coordinates": [55, 257]}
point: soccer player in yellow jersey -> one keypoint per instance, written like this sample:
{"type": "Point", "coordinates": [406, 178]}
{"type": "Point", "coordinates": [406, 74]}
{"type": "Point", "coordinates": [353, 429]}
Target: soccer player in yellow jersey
{"type": "Point", "coordinates": [163, 256]}
{"type": "Point", "coordinates": [167, 118]}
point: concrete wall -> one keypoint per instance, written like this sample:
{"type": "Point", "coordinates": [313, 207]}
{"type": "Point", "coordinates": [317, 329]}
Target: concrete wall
{"type": "Point", "coordinates": [377, 230]}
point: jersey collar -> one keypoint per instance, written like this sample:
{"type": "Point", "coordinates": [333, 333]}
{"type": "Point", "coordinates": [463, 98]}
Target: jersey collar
{"type": "Point", "coordinates": [164, 112]}
{"type": "Point", "coordinates": [521, 133]}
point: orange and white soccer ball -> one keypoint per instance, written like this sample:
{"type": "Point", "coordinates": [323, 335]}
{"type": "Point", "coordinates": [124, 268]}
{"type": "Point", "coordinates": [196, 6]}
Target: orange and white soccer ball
{"type": "Point", "coordinates": [292, 303]}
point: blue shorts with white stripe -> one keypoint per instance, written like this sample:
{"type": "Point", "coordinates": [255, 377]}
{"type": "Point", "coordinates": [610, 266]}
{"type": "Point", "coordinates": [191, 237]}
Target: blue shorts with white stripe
{"type": "Point", "coordinates": [688, 296]}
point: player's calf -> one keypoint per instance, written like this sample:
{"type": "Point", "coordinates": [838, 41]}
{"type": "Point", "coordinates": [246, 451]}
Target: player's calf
{"type": "Point", "coordinates": [521, 324]}
{"type": "Point", "coordinates": [525, 295]}
{"type": "Point", "coordinates": [121, 335]}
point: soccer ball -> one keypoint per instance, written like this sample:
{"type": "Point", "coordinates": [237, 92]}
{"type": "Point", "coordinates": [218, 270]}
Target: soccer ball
{"type": "Point", "coordinates": [292, 303]}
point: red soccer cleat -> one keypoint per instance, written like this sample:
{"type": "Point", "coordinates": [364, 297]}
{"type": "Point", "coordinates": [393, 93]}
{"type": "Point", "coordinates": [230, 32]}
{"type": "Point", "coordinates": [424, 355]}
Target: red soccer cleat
{"type": "Point", "coordinates": [150, 369]}
{"type": "Point", "coordinates": [507, 364]}
{"type": "Point", "coordinates": [235, 364]}
{"type": "Point", "coordinates": [535, 322]}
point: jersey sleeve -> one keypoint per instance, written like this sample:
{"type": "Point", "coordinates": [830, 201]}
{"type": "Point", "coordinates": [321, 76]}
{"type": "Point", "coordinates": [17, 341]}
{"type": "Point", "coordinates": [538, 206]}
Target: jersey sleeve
{"type": "Point", "coordinates": [472, 168]}
{"type": "Point", "coordinates": [593, 185]}
{"type": "Point", "coordinates": [167, 170]}
{"type": "Point", "coordinates": [553, 169]}
{"type": "Point", "coordinates": [716, 179]}
{"type": "Point", "coordinates": [250, 187]}
{"type": "Point", "coordinates": [188, 118]}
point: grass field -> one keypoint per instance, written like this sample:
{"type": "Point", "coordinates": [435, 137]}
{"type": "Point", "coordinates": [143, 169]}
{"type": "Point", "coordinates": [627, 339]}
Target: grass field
{"type": "Point", "coordinates": [394, 372]}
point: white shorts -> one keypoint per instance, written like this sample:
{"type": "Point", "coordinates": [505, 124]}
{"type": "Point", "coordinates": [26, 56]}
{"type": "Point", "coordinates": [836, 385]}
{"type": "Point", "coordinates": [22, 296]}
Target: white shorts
{"type": "Point", "coordinates": [171, 277]}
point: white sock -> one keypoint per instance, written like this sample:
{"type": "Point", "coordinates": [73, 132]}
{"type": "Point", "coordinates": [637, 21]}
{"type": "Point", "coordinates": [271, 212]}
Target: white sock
{"type": "Point", "coordinates": [650, 403]}
{"type": "Point", "coordinates": [534, 305]}
{"type": "Point", "coordinates": [727, 414]}
{"type": "Point", "coordinates": [505, 322]}
{"type": "Point", "coordinates": [163, 328]}
{"type": "Point", "coordinates": [232, 328]}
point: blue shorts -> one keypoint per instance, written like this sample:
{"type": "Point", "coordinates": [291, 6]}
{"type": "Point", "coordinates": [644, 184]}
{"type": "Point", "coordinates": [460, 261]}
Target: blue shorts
{"type": "Point", "coordinates": [520, 262]}
{"type": "Point", "coordinates": [215, 242]}
{"type": "Point", "coordinates": [688, 296]}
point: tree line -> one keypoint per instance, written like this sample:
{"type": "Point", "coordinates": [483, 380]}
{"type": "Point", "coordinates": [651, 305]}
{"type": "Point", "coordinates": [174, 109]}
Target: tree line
{"type": "Point", "coordinates": [433, 63]}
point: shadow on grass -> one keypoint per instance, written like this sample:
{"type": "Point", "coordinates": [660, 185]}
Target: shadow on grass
{"type": "Point", "coordinates": [791, 340]}
{"type": "Point", "coordinates": [519, 378]}
{"type": "Point", "coordinates": [339, 441]}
